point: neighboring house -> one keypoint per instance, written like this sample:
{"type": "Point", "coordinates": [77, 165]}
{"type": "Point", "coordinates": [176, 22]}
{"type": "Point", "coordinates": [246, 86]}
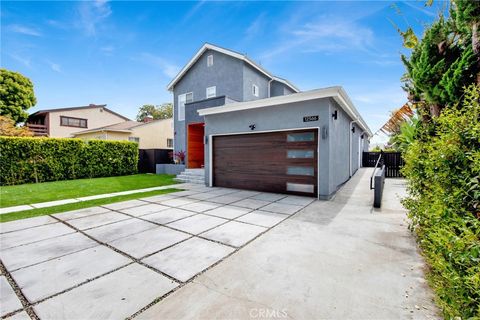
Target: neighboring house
{"type": "Point", "coordinates": [272, 137]}
{"type": "Point", "coordinates": [214, 77]}
{"type": "Point", "coordinates": [153, 134]}
{"type": "Point", "coordinates": [63, 122]}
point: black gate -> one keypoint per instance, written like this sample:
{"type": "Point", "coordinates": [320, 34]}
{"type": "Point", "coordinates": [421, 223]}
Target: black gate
{"type": "Point", "coordinates": [393, 162]}
{"type": "Point", "coordinates": [148, 158]}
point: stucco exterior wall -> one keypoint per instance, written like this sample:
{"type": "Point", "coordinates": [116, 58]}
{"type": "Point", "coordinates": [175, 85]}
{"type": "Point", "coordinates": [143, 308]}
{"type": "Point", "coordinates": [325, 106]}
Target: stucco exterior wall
{"type": "Point", "coordinates": [154, 135]}
{"type": "Point", "coordinates": [226, 74]}
{"type": "Point", "coordinates": [106, 135]}
{"type": "Point", "coordinates": [253, 77]}
{"type": "Point", "coordinates": [96, 117]}
{"type": "Point", "coordinates": [279, 89]}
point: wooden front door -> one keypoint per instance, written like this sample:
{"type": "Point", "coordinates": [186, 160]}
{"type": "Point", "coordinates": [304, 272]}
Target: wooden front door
{"type": "Point", "coordinates": [283, 162]}
{"type": "Point", "coordinates": [195, 145]}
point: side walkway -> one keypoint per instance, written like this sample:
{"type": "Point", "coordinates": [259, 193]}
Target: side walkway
{"type": "Point", "coordinates": [73, 200]}
{"type": "Point", "coordinates": [336, 259]}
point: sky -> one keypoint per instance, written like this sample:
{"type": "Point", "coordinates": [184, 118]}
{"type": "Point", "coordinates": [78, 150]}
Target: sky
{"type": "Point", "coordinates": [124, 53]}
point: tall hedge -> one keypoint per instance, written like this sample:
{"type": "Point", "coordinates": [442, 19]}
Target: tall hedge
{"type": "Point", "coordinates": [26, 160]}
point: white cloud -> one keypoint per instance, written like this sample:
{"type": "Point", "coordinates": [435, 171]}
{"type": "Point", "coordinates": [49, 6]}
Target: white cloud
{"type": "Point", "coordinates": [255, 27]}
{"type": "Point", "coordinates": [192, 11]}
{"type": "Point", "coordinates": [54, 66]}
{"type": "Point", "coordinates": [107, 50]}
{"type": "Point", "coordinates": [92, 13]}
{"type": "Point", "coordinates": [25, 30]}
{"type": "Point", "coordinates": [169, 69]}
{"type": "Point", "coordinates": [324, 35]}
{"type": "Point", "coordinates": [23, 60]}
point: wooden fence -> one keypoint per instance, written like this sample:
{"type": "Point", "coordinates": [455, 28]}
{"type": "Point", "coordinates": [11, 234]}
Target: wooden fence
{"type": "Point", "coordinates": [393, 162]}
{"type": "Point", "coordinates": [148, 159]}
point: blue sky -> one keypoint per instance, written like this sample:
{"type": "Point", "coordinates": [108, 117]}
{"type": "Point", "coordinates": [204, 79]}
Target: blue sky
{"type": "Point", "coordinates": [124, 53]}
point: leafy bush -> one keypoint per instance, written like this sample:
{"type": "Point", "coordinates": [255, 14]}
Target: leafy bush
{"type": "Point", "coordinates": [24, 160]}
{"type": "Point", "coordinates": [443, 172]}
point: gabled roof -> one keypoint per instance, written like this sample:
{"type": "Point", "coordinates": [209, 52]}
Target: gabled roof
{"type": "Point", "coordinates": [336, 93]}
{"type": "Point", "coordinates": [208, 46]}
{"type": "Point", "coordinates": [125, 126]}
{"type": "Point", "coordinates": [90, 106]}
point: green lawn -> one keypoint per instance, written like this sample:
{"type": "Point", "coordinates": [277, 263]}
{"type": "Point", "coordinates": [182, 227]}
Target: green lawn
{"type": "Point", "coordinates": [79, 205]}
{"type": "Point", "coordinates": [58, 190]}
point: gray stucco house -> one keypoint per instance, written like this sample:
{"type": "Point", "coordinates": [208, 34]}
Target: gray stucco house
{"type": "Point", "coordinates": [252, 130]}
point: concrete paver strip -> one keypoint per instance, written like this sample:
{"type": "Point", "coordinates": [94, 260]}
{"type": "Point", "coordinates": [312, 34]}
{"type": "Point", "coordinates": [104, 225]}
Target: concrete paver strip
{"type": "Point", "coordinates": [53, 276]}
{"type": "Point", "coordinates": [282, 208]}
{"type": "Point", "coordinates": [97, 220]}
{"type": "Point", "coordinates": [194, 255]}
{"type": "Point", "coordinates": [147, 242]}
{"type": "Point", "coordinates": [25, 223]}
{"type": "Point", "coordinates": [297, 200]}
{"type": "Point", "coordinates": [33, 253]}
{"type": "Point", "coordinates": [201, 206]}
{"type": "Point", "coordinates": [269, 196]}
{"type": "Point", "coordinates": [25, 236]}
{"type": "Point", "coordinates": [197, 223]}
{"type": "Point", "coordinates": [124, 204]}
{"type": "Point", "coordinates": [177, 202]}
{"type": "Point", "coordinates": [15, 208]}
{"type": "Point", "coordinates": [158, 198]}
{"type": "Point", "coordinates": [228, 212]}
{"type": "Point", "coordinates": [234, 233]}
{"type": "Point", "coordinates": [20, 316]}
{"type": "Point", "coordinates": [251, 203]}
{"type": "Point", "coordinates": [116, 295]}
{"type": "Point", "coordinates": [262, 218]}
{"type": "Point", "coordinates": [143, 210]}
{"type": "Point", "coordinates": [168, 215]}
{"type": "Point", "coordinates": [225, 199]}
{"type": "Point", "coordinates": [202, 196]}
{"type": "Point", "coordinates": [97, 196]}
{"type": "Point", "coordinates": [54, 203]}
{"type": "Point", "coordinates": [8, 299]}
{"type": "Point", "coordinates": [119, 230]}
{"type": "Point", "coordinates": [80, 213]}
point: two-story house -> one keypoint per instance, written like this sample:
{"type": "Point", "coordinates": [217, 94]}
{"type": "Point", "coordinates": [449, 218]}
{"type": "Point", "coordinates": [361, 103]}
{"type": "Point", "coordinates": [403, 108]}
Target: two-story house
{"type": "Point", "coordinates": [214, 77]}
{"type": "Point", "coordinates": [251, 130]}
{"type": "Point", "coordinates": [63, 122]}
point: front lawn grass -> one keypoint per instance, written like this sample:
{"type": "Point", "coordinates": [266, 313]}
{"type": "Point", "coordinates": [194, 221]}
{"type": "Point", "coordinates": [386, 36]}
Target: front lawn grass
{"type": "Point", "coordinates": [79, 205]}
{"type": "Point", "coordinates": [58, 190]}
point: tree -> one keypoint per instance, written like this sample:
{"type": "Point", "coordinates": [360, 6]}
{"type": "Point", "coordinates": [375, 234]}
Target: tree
{"type": "Point", "coordinates": [8, 128]}
{"type": "Point", "coordinates": [16, 95]}
{"type": "Point", "coordinates": [163, 111]}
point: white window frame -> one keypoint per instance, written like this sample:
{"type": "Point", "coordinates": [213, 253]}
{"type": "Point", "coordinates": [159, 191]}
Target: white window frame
{"type": "Point", "coordinates": [210, 60]}
{"type": "Point", "coordinates": [182, 100]}
{"type": "Point", "coordinates": [212, 94]}
{"type": "Point", "coordinates": [255, 90]}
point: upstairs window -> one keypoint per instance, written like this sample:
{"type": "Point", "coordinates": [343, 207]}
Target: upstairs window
{"type": "Point", "coordinates": [73, 122]}
{"type": "Point", "coordinates": [210, 60]}
{"type": "Point", "coordinates": [182, 100]}
{"type": "Point", "coordinates": [169, 143]}
{"type": "Point", "coordinates": [255, 90]}
{"type": "Point", "coordinates": [211, 92]}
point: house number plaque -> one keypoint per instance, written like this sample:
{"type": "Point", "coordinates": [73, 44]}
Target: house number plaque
{"type": "Point", "coordinates": [310, 118]}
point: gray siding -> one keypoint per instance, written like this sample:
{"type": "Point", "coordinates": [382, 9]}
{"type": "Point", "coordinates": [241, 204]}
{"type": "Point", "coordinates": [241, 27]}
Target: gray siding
{"type": "Point", "coordinates": [226, 74]}
{"type": "Point", "coordinates": [251, 77]}
{"type": "Point", "coordinates": [279, 89]}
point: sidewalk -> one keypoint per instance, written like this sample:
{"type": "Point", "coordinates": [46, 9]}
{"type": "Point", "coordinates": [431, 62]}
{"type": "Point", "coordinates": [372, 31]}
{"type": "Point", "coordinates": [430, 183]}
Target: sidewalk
{"type": "Point", "coordinates": [73, 200]}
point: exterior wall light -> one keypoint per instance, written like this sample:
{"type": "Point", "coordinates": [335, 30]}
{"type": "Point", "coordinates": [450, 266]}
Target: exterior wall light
{"type": "Point", "coordinates": [353, 129]}
{"type": "Point", "coordinates": [335, 115]}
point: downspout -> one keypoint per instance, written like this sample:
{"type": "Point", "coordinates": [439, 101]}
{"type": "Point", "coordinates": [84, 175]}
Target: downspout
{"type": "Point", "coordinates": [269, 90]}
{"type": "Point", "coordinates": [350, 148]}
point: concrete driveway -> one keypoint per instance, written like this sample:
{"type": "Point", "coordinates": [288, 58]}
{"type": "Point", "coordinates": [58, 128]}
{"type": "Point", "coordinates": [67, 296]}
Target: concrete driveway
{"type": "Point", "coordinates": [112, 262]}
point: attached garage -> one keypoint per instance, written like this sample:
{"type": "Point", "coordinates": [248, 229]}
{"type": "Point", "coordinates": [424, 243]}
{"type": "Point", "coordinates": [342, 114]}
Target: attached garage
{"type": "Point", "coordinates": [306, 143]}
{"type": "Point", "coordinates": [279, 161]}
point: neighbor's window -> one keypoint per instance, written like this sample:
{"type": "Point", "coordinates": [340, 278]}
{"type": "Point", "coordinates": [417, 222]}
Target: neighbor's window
{"type": "Point", "coordinates": [255, 90]}
{"type": "Point", "coordinates": [134, 139]}
{"type": "Point", "coordinates": [169, 143]}
{"type": "Point", "coordinates": [73, 122]}
{"type": "Point", "coordinates": [210, 60]}
{"type": "Point", "coordinates": [211, 92]}
{"type": "Point", "coordinates": [182, 100]}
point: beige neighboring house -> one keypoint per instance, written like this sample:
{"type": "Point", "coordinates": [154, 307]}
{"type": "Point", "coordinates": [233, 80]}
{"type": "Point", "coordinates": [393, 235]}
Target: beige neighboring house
{"type": "Point", "coordinates": [151, 134]}
{"type": "Point", "coordinates": [63, 122]}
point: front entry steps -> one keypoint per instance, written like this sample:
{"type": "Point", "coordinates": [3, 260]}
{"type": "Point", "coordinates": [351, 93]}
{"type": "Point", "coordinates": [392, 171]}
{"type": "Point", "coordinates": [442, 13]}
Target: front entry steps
{"type": "Point", "coordinates": [192, 176]}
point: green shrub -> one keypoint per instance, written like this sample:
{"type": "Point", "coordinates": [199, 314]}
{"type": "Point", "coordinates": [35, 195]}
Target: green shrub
{"type": "Point", "coordinates": [25, 160]}
{"type": "Point", "coordinates": [443, 172]}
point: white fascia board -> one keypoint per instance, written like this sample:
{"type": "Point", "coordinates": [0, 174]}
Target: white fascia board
{"type": "Point", "coordinates": [227, 52]}
{"type": "Point", "coordinates": [337, 93]}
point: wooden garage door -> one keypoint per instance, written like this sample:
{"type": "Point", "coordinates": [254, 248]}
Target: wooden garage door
{"type": "Point", "coordinates": [283, 162]}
